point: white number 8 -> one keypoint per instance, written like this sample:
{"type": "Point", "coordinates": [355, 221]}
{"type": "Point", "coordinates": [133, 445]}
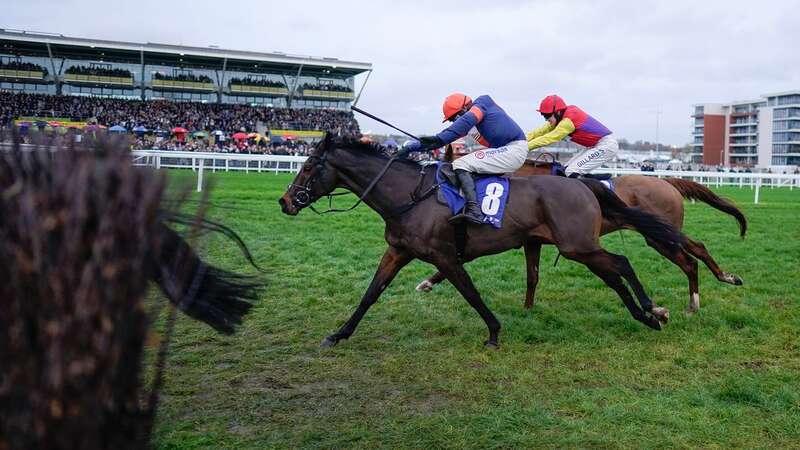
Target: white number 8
{"type": "Point", "coordinates": [491, 201]}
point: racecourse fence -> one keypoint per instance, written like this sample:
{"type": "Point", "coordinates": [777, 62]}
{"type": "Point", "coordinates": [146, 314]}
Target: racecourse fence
{"type": "Point", "coordinates": [201, 162]}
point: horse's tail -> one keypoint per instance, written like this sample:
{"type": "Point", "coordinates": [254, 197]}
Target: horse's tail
{"type": "Point", "coordinates": [696, 191]}
{"type": "Point", "coordinates": [204, 292]}
{"type": "Point", "coordinates": [648, 225]}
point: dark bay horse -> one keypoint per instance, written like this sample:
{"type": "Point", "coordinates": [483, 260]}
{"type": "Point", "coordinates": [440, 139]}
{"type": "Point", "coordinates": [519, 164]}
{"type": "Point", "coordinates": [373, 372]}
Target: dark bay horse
{"type": "Point", "coordinates": [554, 210]}
{"type": "Point", "coordinates": [660, 197]}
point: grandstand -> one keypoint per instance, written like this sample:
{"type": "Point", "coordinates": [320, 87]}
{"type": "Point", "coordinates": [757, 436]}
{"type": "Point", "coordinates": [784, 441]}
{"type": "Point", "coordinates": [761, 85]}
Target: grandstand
{"type": "Point", "coordinates": [58, 65]}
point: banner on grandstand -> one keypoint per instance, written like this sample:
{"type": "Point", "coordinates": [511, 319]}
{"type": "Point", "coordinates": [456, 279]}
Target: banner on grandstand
{"type": "Point", "coordinates": [298, 134]}
{"type": "Point", "coordinates": [51, 121]}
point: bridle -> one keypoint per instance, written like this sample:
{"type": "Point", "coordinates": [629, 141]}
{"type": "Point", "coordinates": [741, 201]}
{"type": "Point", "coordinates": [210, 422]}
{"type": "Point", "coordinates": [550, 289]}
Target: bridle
{"type": "Point", "coordinates": [304, 197]}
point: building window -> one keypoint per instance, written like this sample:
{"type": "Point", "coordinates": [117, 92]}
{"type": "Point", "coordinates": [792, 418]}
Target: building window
{"type": "Point", "coordinates": [789, 100]}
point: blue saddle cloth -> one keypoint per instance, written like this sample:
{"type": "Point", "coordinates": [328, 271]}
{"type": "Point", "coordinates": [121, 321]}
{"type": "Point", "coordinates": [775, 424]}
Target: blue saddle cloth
{"type": "Point", "coordinates": [492, 196]}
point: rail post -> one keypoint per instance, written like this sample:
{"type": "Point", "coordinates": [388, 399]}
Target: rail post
{"type": "Point", "coordinates": [200, 175]}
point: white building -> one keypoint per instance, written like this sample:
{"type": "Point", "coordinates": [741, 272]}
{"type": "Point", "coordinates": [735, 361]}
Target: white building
{"type": "Point", "coordinates": [763, 132]}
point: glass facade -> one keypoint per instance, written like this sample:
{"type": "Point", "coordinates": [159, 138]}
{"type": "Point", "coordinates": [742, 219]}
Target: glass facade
{"type": "Point", "coordinates": [792, 124]}
{"type": "Point", "coordinates": [792, 99]}
{"type": "Point", "coordinates": [786, 137]}
{"type": "Point", "coordinates": [202, 93]}
{"type": "Point", "coordinates": [783, 113]}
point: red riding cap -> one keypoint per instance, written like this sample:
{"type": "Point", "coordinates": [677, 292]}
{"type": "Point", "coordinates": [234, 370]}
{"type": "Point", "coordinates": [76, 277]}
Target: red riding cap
{"type": "Point", "coordinates": [551, 104]}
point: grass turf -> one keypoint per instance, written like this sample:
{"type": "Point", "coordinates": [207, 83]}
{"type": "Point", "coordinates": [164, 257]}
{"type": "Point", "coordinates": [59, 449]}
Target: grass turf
{"type": "Point", "coordinates": [576, 371]}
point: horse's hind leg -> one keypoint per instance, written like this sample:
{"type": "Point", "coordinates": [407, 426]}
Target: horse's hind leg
{"type": "Point", "coordinates": [698, 250]}
{"type": "Point", "coordinates": [604, 265]}
{"type": "Point", "coordinates": [625, 269]}
{"type": "Point", "coordinates": [427, 284]}
{"type": "Point", "coordinates": [532, 252]}
{"type": "Point", "coordinates": [688, 265]}
{"type": "Point", "coordinates": [459, 277]}
{"type": "Point", "coordinates": [393, 260]}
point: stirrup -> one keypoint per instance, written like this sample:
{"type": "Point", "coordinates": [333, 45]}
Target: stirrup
{"type": "Point", "coordinates": [462, 216]}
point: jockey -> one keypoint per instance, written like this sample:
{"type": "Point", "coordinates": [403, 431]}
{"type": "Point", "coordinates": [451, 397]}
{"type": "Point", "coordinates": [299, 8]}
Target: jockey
{"type": "Point", "coordinates": [506, 152]}
{"type": "Point", "coordinates": [582, 129]}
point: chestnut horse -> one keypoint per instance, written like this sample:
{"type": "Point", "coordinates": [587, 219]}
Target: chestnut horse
{"type": "Point", "coordinates": [660, 197]}
{"type": "Point", "coordinates": [417, 226]}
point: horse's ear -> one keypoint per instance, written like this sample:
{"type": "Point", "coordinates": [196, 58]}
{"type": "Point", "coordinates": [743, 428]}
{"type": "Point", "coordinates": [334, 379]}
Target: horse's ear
{"type": "Point", "coordinates": [328, 139]}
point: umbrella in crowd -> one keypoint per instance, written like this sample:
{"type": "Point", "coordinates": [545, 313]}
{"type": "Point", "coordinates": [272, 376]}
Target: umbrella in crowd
{"type": "Point", "coordinates": [255, 136]}
{"type": "Point", "coordinates": [93, 127]}
{"type": "Point", "coordinates": [117, 129]}
{"type": "Point", "coordinates": [179, 130]}
{"type": "Point", "coordinates": [200, 134]}
{"type": "Point", "coordinates": [140, 130]}
{"type": "Point", "coordinates": [161, 132]}
{"type": "Point", "coordinates": [239, 136]}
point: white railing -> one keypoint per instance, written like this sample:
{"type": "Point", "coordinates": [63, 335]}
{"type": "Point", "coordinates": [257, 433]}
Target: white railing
{"type": "Point", "coordinates": [201, 162]}
{"type": "Point", "coordinates": [754, 181]}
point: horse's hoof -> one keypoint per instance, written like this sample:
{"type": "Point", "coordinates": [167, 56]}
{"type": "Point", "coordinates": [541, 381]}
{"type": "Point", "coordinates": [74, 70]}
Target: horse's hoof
{"type": "Point", "coordinates": [492, 345]}
{"type": "Point", "coordinates": [732, 279]}
{"type": "Point", "coordinates": [662, 314]}
{"type": "Point", "coordinates": [425, 286]}
{"type": "Point", "coordinates": [690, 310]}
{"type": "Point", "coordinates": [527, 304]}
{"type": "Point", "coordinates": [653, 323]}
{"type": "Point", "coordinates": [328, 342]}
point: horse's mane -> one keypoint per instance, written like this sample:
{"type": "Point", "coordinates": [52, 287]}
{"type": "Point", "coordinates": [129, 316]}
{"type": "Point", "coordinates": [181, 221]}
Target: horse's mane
{"type": "Point", "coordinates": [371, 148]}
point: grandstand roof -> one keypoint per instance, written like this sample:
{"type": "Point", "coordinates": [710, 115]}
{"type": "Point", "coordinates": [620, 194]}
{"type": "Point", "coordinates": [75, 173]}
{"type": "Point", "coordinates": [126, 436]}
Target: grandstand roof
{"type": "Point", "coordinates": [28, 43]}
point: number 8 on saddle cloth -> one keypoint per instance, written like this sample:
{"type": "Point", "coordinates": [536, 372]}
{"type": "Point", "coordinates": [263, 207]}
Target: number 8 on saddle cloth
{"type": "Point", "coordinates": [492, 193]}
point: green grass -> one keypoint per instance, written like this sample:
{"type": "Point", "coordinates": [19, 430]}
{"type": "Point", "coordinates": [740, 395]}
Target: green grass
{"type": "Point", "coordinates": [576, 371]}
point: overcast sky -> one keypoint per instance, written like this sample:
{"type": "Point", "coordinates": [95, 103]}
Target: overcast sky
{"type": "Point", "coordinates": [619, 61]}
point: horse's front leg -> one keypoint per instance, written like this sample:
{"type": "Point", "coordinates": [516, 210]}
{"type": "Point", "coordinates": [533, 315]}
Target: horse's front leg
{"type": "Point", "coordinates": [459, 277]}
{"type": "Point", "coordinates": [532, 252]}
{"type": "Point", "coordinates": [393, 260]}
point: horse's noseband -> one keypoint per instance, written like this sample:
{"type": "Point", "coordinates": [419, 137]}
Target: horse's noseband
{"type": "Point", "coordinates": [303, 196]}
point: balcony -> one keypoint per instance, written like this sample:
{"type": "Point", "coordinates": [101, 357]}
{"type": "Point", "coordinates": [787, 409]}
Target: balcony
{"type": "Point", "coordinates": [179, 85]}
{"type": "Point", "coordinates": [258, 90]}
{"type": "Point", "coordinates": [74, 78]}
{"type": "Point", "coordinates": [338, 95]}
{"type": "Point", "coordinates": [32, 75]}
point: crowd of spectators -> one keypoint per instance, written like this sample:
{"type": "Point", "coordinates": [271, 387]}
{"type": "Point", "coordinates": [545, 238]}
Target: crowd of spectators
{"type": "Point", "coordinates": [183, 77]}
{"type": "Point", "coordinates": [19, 65]}
{"type": "Point", "coordinates": [327, 87]}
{"type": "Point", "coordinates": [212, 143]}
{"type": "Point", "coordinates": [98, 71]}
{"type": "Point", "coordinates": [165, 115]}
{"type": "Point", "coordinates": [258, 82]}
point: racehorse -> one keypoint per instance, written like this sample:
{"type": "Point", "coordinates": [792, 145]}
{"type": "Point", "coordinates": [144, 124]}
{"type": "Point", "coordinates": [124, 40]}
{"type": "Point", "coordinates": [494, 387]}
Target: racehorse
{"type": "Point", "coordinates": [82, 232]}
{"type": "Point", "coordinates": [660, 197]}
{"type": "Point", "coordinates": [552, 210]}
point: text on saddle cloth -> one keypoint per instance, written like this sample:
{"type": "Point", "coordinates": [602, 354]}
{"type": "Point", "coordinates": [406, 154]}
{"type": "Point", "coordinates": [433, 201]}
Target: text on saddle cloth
{"type": "Point", "coordinates": [492, 193]}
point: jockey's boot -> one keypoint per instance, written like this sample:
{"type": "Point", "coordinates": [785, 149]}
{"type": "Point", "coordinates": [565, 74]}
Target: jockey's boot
{"type": "Point", "coordinates": [471, 211]}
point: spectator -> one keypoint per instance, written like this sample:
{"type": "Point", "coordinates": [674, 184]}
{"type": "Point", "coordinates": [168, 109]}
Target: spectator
{"type": "Point", "coordinates": [165, 115]}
